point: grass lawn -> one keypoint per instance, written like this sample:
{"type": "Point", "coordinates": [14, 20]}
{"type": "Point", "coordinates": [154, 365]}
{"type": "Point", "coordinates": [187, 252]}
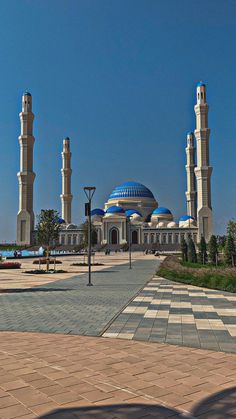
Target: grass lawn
{"type": "Point", "coordinates": [220, 278]}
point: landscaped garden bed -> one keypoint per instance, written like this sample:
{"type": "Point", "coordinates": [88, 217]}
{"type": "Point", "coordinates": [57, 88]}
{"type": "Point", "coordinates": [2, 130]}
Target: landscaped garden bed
{"type": "Point", "coordinates": [10, 265]}
{"type": "Point", "coordinates": [43, 261]}
{"type": "Point", "coordinates": [42, 271]}
{"type": "Point", "coordinates": [208, 276]}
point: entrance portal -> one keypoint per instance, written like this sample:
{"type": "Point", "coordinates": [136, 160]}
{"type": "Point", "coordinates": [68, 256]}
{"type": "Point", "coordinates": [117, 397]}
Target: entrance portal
{"type": "Point", "coordinates": [114, 235]}
{"type": "Point", "coordinates": [134, 237]}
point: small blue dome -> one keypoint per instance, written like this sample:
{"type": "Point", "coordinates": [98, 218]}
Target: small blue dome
{"type": "Point", "coordinates": [190, 133]}
{"type": "Point", "coordinates": [131, 212]}
{"type": "Point", "coordinates": [161, 211]}
{"type": "Point", "coordinates": [115, 209]}
{"type": "Point", "coordinates": [131, 190]}
{"type": "Point", "coordinates": [97, 211]}
{"type": "Point", "coordinates": [61, 221]}
{"type": "Point", "coordinates": [27, 94]}
{"type": "Point", "coordinates": [186, 218]}
{"type": "Point", "coordinates": [201, 84]}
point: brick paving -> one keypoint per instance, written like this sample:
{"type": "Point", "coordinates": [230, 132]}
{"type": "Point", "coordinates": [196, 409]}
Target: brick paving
{"type": "Point", "coordinates": [69, 306]}
{"type": "Point", "coordinates": [175, 313]}
{"type": "Point", "coordinates": [64, 376]}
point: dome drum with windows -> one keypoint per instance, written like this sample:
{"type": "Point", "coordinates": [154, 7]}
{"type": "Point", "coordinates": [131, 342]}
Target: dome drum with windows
{"type": "Point", "coordinates": [133, 195]}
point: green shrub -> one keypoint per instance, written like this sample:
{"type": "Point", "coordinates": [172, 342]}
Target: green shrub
{"type": "Point", "coordinates": [220, 278]}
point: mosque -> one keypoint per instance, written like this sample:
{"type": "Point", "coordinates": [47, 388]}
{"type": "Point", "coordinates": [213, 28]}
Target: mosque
{"type": "Point", "coordinates": [131, 208]}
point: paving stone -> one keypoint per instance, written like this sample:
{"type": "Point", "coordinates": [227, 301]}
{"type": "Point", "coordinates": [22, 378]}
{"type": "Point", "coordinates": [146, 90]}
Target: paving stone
{"type": "Point", "coordinates": [81, 309]}
{"type": "Point", "coordinates": [200, 325]}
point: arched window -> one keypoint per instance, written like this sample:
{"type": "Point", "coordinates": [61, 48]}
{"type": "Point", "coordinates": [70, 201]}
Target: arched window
{"type": "Point", "coordinates": [134, 237]}
{"type": "Point", "coordinates": [114, 236]}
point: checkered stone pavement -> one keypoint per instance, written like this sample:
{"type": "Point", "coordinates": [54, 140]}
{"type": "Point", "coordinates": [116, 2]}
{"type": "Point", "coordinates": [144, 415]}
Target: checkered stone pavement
{"type": "Point", "coordinates": [180, 314]}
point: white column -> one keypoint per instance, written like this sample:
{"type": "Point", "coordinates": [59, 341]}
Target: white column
{"type": "Point", "coordinates": [66, 196]}
{"type": "Point", "coordinates": [26, 176]}
{"type": "Point", "coordinates": [203, 170]}
{"type": "Point", "coordinates": [191, 194]}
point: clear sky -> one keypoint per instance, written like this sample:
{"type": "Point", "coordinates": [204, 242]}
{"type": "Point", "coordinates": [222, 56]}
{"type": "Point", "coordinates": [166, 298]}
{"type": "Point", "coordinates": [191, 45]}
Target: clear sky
{"type": "Point", "coordinates": [118, 77]}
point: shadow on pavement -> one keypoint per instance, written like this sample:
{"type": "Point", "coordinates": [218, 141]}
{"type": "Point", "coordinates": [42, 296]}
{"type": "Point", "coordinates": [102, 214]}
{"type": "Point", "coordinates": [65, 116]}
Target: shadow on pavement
{"type": "Point", "coordinates": [102, 272]}
{"type": "Point", "coordinates": [36, 289]}
{"type": "Point", "coordinates": [218, 406]}
{"type": "Point", "coordinates": [121, 411]}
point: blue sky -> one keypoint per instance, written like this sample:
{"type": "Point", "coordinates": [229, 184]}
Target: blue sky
{"type": "Point", "coordinates": [118, 78]}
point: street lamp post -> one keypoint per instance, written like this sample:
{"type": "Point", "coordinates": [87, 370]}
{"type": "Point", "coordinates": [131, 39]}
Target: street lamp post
{"type": "Point", "coordinates": [89, 192]}
{"type": "Point", "coordinates": [129, 240]}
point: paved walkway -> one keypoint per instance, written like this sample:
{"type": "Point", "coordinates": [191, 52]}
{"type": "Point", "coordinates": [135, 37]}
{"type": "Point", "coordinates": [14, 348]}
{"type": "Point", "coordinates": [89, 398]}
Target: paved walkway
{"type": "Point", "coordinates": [69, 306]}
{"type": "Point", "coordinates": [62, 376]}
{"type": "Point", "coordinates": [11, 279]}
{"type": "Point", "coordinates": [170, 312]}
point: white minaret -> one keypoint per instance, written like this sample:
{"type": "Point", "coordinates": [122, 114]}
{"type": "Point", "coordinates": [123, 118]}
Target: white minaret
{"type": "Point", "coordinates": [191, 194]}
{"type": "Point", "coordinates": [203, 170]}
{"type": "Point", "coordinates": [66, 171]}
{"type": "Point", "coordinates": [26, 176]}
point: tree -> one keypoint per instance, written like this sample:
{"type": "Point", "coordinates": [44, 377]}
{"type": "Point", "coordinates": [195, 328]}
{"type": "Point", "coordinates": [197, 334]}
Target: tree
{"type": "Point", "coordinates": [202, 254]}
{"type": "Point", "coordinates": [184, 250]}
{"type": "Point", "coordinates": [192, 256]}
{"type": "Point", "coordinates": [48, 228]}
{"type": "Point", "coordinates": [231, 229]}
{"type": "Point", "coordinates": [213, 250]}
{"type": "Point", "coordinates": [84, 227]}
{"type": "Point", "coordinates": [229, 250]}
{"type": "Point", "coordinates": [221, 240]}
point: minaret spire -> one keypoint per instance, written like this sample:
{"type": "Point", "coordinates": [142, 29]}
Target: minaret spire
{"type": "Point", "coordinates": [66, 196]}
{"type": "Point", "coordinates": [203, 170]}
{"type": "Point", "coordinates": [26, 176]}
{"type": "Point", "coordinates": [191, 194]}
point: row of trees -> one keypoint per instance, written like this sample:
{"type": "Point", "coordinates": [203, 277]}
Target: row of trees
{"type": "Point", "coordinates": [210, 252]}
{"type": "Point", "coordinates": [205, 252]}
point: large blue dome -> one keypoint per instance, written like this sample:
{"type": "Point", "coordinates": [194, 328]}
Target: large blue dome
{"type": "Point", "coordinates": [131, 190]}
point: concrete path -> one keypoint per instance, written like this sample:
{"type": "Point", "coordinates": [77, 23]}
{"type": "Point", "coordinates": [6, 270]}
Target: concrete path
{"type": "Point", "coordinates": [69, 306]}
{"type": "Point", "coordinates": [65, 377]}
{"type": "Point", "coordinates": [175, 313]}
